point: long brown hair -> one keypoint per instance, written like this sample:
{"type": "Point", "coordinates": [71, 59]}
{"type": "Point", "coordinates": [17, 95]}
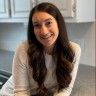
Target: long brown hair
{"type": "Point", "coordinates": [63, 54]}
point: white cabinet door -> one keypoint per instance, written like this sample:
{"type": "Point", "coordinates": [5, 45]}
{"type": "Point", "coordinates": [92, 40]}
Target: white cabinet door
{"type": "Point", "coordinates": [65, 6]}
{"type": "Point", "coordinates": [20, 8]}
{"type": "Point", "coordinates": [4, 9]}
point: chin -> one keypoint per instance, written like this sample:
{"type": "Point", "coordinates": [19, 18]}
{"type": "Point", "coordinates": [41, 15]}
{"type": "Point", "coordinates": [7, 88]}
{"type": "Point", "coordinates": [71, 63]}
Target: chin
{"type": "Point", "coordinates": [48, 45]}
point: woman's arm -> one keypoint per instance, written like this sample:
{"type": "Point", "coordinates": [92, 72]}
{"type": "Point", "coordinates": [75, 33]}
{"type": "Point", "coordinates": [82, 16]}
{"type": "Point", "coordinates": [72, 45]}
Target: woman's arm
{"type": "Point", "coordinates": [67, 91]}
{"type": "Point", "coordinates": [20, 71]}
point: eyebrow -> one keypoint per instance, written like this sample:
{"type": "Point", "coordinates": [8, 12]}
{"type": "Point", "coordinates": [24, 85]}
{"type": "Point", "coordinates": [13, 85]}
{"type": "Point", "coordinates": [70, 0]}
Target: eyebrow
{"type": "Point", "coordinates": [43, 21]}
{"type": "Point", "coordinates": [48, 19]}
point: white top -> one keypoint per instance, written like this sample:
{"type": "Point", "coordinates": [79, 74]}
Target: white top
{"type": "Point", "coordinates": [24, 84]}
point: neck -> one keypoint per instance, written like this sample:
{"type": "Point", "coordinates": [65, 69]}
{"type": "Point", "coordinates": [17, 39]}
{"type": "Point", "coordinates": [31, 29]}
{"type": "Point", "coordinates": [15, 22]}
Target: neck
{"type": "Point", "coordinates": [49, 49]}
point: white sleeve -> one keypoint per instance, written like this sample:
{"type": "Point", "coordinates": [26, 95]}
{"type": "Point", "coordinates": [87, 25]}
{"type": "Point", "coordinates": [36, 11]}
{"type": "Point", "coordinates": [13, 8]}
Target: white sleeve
{"type": "Point", "coordinates": [67, 91]}
{"type": "Point", "coordinates": [20, 72]}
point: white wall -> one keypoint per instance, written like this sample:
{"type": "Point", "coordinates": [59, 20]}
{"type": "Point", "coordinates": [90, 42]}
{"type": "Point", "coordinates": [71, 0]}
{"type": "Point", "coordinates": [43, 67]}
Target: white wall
{"type": "Point", "coordinates": [84, 35]}
{"type": "Point", "coordinates": [12, 34]}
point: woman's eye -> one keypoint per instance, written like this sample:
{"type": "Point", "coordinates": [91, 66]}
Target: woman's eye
{"type": "Point", "coordinates": [37, 25]}
{"type": "Point", "coordinates": [48, 23]}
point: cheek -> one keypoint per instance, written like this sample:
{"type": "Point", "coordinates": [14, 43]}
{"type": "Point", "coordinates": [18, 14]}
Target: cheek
{"type": "Point", "coordinates": [56, 30]}
{"type": "Point", "coordinates": [55, 26]}
{"type": "Point", "coordinates": [36, 34]}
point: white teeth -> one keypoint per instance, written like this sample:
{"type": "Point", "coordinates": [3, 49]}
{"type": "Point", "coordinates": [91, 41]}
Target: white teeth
{"type": "Point", "coordinates": [47, 36]}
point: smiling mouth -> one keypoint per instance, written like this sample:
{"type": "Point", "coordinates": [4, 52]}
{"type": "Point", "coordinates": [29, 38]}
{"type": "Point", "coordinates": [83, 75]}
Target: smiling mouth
{"type": "Point", "coordinates": [47, 36]}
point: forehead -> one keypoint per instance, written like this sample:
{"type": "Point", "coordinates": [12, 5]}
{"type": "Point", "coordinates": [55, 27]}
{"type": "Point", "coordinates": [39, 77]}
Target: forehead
{"type": "Point", "coordinates": [42, 16]}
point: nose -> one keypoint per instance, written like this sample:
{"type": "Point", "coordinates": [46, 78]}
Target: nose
{"type": "Point", "coordinates": [44, 30]}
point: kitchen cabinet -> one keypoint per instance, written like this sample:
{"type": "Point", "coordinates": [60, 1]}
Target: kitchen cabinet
{"type": "Point", "coordinates": [65, 6]}
{"type": "Point", "coordinates": [15, 10]}
{"type": "Point", "coordinates": [72, 10]}
{"type": "Point", "coordinates": [4, 9]}
{"type": "Point", "coordinates": [75, 10]}
{"type": "Point", "coordinates": [20, 8]}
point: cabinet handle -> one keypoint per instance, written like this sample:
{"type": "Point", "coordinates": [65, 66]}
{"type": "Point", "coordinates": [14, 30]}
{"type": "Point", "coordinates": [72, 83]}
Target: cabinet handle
{"type": "Point", "coordinates": [1, 83]}
{"type": "Point", "coordinates": [34, 2]}
{"type": "Point", "coordinates": [74, 7]}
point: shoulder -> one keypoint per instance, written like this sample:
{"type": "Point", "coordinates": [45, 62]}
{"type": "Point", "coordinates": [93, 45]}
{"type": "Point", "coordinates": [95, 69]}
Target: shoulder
{"type": "Point", "coordinates": [22, 46]}
{"type": "Point", "coordinates": [77, 50]}
{"type": "Point", "coordinates": [75, 47]}
{"type": "Point", "coordinates": [21, 50]}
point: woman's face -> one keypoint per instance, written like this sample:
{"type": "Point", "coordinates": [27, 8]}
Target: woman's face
{"type": "Point", "coordinates": [45, 28]}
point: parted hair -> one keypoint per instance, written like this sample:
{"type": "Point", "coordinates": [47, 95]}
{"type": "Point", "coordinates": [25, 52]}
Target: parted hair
{"type": "Point", "coordinates": [62, 54]}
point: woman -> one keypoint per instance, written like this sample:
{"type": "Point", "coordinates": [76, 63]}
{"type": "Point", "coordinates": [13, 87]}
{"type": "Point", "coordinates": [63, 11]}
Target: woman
{"type": "Point", "coordinates": [46, 64]}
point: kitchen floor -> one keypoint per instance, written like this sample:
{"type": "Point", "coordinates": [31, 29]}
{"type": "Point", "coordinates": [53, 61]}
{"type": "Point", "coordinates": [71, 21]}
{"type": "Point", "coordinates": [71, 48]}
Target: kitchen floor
{"type": "Point", "coordinates": [84, 84]}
